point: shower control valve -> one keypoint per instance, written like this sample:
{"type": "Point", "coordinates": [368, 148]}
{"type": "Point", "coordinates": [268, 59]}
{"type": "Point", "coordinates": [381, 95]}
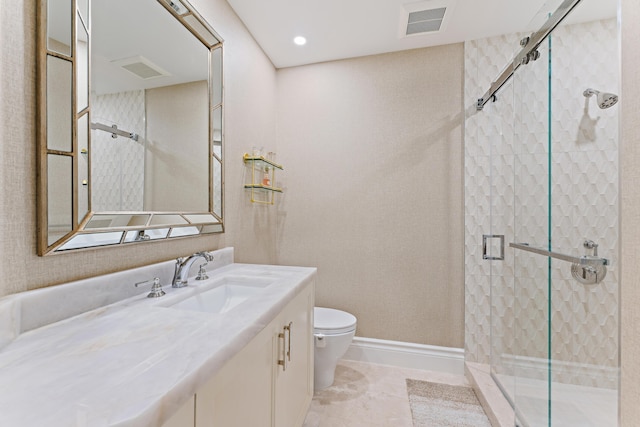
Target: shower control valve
{"type": "Point", "coordinates": [591, 271]}
{"type": "Point", "coordinates": [591, 245]}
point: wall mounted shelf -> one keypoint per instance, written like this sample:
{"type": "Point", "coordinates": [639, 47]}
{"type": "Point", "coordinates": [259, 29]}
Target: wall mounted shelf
{"type": "Point", "coordinates": [263, 174]}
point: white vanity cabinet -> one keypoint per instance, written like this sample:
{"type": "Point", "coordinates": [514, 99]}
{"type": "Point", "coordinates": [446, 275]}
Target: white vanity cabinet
{"type": "Point", "coordinates": [269, 383]}
{"type": "Point", "coordinates": [220, 361]}
{"type": "Point", "coordinates": [185, 417]}
{"type": "Point", "coordinates": [293, 377]}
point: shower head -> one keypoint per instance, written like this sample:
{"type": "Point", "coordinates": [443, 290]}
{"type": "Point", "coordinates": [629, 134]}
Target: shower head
{"type": "Point", "coordinates": [605, 100]}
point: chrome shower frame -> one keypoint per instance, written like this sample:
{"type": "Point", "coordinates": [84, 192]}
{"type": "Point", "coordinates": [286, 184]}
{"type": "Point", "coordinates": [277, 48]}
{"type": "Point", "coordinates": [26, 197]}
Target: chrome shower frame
{"type": "Point", "coordinates": [529, 50]}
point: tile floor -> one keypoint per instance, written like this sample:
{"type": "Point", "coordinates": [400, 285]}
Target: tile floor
{"type": "Point", "coordinates": [369, 395]}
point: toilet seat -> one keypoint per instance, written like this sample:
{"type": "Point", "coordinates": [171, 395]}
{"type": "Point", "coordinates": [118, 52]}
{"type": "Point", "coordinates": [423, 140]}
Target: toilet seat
{"type": "Point", "coordinates": [329, 321]}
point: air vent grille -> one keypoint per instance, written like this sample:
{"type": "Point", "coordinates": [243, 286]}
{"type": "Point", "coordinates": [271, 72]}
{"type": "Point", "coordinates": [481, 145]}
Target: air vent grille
{"type": "Point", "coordinates": [142, 70]}
{"type": "Point", "coordinates": [141, 67]}
{"type": "Point", "coordinates": [424, 21]}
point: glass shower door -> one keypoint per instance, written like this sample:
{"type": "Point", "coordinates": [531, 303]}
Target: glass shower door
{"type": "Point", "coordinates": [565, 206]}
{"type": "Point", "coordinates": [519, 210]}
{"type": "Point", "coordinates": [501, 143]}
{"type": "Point", "coordinates": [532, 225]}
{"type": "Point", "coordinates": [583, 186]}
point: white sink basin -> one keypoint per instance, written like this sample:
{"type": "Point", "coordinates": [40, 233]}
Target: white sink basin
{"type": "Point", "coordinates": [228, 293]}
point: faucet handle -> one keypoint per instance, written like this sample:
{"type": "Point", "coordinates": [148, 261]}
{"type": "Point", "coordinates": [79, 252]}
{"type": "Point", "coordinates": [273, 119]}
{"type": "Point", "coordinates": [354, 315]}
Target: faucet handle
{"type": "Point", "coordinates": [156, 288]}
{"type": "Point", "coordinates": [205, 255]}
{"type": "Point", "coordinates": [202, 273]}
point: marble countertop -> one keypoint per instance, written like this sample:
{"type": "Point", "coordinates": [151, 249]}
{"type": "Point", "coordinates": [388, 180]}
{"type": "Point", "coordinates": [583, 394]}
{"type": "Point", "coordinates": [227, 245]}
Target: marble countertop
{"type": "Point", "coordinates": [133, 362]}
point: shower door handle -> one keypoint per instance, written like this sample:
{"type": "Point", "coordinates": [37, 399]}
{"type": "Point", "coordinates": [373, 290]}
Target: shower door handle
{"type": "Point", "coordinates": [485, 247]}
{"type": "Point", "coordinates": [580, 260]}
{"type": "Point", "coordinates": [586, 269]}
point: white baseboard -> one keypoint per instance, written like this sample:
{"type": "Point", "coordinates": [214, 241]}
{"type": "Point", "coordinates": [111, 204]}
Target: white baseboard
{"type": "Point", "coordinates": [407, 355]}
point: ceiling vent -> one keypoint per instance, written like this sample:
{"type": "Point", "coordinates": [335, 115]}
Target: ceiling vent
{"type": "Point", "coordinates": [425, 21]}
{"type": "Point", "coordinates": [141, 67]}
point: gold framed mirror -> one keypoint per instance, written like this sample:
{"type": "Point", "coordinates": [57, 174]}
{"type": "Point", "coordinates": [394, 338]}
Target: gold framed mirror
{"type": "Point", "coordinates": [130, 128]}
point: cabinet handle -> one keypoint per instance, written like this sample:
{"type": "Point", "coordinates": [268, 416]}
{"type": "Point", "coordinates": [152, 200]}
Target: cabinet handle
{"type": "Point", "coordinates": [285, 335]}
{"type": "Point", "coordinates": [282, 362]}
{"type": "Point", "coordinates": [288, 328]}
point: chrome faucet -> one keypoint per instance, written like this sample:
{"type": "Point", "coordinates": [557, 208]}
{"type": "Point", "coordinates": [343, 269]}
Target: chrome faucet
{"type": "Point", "coordinates": [181, 272]}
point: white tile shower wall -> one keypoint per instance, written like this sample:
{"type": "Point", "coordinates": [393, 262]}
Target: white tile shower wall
{"type": "Point", "coordinates": [483, 61]}
{"type": "Point", "coordinates": [530, 210]}
{"type": "Point", "coordinates": [584, 185]}
{"type": "Point", "coordinates": [585, 56]}
{"type": "Point", "coordinates": [117, 166]}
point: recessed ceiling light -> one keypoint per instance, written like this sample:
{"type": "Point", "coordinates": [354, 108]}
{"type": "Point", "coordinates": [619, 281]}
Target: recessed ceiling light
{"type": "Point", "coordinates": [300, 40]}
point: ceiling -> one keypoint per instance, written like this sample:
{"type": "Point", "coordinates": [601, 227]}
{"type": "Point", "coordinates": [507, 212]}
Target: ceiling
{"type": "Point", "coordinates": [147, 30]}
{"type": "Point", "coordinates": [338, 29]}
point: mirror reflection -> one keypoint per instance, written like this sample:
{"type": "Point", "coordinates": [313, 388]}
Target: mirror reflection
{"type": "Point", "coordinates": [149, 77]}
{"type": "Point", "coordinates": [132, 143]}
{"type": "Point", "coordinates": [83, 166]}
{"type": "Point", "coordinates": [59, 26]}
{"type": "Point", "coordinates": [82, 63]}
{"type": "Point", "coordinates": [60, 212]}
{"type": "Point", "coordinates": [59, 104]}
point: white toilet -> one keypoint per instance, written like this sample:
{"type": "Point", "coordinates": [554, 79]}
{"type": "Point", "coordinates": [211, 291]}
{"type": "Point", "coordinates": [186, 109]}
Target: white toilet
{"type": "Point", "coordinates": [333, 331]}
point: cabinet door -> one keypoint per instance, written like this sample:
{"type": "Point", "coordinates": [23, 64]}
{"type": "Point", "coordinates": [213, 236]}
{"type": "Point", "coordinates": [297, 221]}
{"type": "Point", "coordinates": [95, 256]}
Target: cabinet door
{"type": "Point", "coordinates": [240, 395]}
{"type": "Point", "coordinates": [184, 417]}
{"type": "Point", "coordinates": [294, 383]}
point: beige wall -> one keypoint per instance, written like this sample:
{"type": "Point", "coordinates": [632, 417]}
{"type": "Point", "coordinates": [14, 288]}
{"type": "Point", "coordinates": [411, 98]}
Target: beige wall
{"type": "Point", "coordinates": [373, 189]}
{"type": "Point", "coordinates": [630, 215]}
{"type": "Point", "coordinates": [177, 148]}
{"type": "Point", "coordinates": [250, 117]}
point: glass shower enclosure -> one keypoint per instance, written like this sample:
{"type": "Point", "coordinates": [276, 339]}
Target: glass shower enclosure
{"type": "Point", "coordinates": [552, 243]}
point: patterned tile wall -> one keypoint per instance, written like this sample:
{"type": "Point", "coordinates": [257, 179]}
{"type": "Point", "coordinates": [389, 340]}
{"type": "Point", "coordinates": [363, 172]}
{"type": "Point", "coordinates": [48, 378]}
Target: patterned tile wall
{"type": "Point", "coordinates": [483, 61]}
{"type": "Point", "coordinates": [506, 169]}
{"type": "Point", "coordinates": [117, 164]}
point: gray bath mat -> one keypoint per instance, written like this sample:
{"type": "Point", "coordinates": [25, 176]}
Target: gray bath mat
{"type": "Point", "coordinates": [443, 405]}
